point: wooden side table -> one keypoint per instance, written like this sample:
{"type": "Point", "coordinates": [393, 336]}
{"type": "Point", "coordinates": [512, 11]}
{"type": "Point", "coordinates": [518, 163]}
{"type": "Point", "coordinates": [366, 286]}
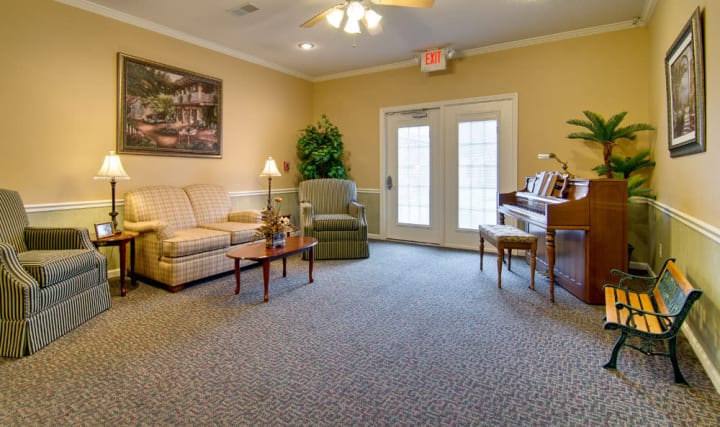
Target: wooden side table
{"type": "Point", "coordinates": [121, 239]}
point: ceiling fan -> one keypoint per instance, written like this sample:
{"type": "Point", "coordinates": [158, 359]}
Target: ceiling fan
{"type": "Point", "coordinates": [356, 12]}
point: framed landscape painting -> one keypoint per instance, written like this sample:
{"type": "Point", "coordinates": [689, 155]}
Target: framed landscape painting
{"type": "Point", "coordinates": [685, 79]}
{"type": "Point", "coordinates": [167, 111]}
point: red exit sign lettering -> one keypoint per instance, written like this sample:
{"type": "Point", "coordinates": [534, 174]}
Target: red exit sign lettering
{"type": "Point", "coordinates": [433, 60]}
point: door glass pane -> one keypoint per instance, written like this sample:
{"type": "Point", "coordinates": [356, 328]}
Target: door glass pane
{"type": "Point", "coordinates": [477, 173]}
{"type": "Point", "coordinates": [413, 182]}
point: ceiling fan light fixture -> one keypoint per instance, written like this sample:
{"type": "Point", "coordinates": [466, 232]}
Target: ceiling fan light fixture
{"type": "Point", "coordinates": [355, 11]}
{"type": "Point", "coordinates": [372, 18]}
{"type": "Point", "coordinates": [335, 17]}
{"type": "Point", "coordinates": [352, 26]}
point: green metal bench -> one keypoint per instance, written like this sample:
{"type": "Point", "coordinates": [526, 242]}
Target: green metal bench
{"type": "Point", "coordinates": [654, 315]}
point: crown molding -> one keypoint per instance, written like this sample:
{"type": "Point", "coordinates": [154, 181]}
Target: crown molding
{"type": "Point", "coordinates": [161, 29]}
{"type": "Point", "coordinates": [619, 26]}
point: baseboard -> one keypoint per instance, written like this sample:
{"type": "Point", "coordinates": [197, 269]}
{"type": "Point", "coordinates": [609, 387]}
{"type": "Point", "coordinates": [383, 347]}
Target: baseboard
{"type": "Point", "coordinates": [710, 370]}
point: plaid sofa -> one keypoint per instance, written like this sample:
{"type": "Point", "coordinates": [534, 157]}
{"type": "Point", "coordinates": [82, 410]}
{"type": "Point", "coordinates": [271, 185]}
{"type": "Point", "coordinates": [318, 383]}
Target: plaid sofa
{"type": "Point", "coordinates": [186, 232]}
{"type": "Point", "coordinates": [51, 280]}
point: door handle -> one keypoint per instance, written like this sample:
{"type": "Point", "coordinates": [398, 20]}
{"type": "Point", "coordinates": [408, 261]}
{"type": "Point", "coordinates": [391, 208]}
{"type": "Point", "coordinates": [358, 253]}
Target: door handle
{"type": "Point", "coordinates": [388, 182]}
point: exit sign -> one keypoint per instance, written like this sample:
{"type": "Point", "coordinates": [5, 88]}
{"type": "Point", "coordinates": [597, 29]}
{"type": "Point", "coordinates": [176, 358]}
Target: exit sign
{"type": "Point", "coordinates": [433, 60]}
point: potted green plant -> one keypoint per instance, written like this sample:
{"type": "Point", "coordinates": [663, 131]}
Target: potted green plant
{"type": "Point", "coordinates": [320, 151]}
{"type": "Point", "coordinates": [607, 133]}
{"type": "Point", "coordinates": [624, 168]}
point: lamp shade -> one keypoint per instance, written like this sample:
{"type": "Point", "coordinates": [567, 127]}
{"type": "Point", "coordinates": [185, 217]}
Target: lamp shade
{"type": "Point", "coordinates": [355, 11]}
{"type": "Point", "coordinates": [352, 26]}
{"type": "Point", "coordinates": [335, 17]}
{"type": "Point", "coordinates": [112, 168]}
{"type": "Point", "coordinates": [372, 18]}
{"type": "Point", "coordinates": [270, 169]}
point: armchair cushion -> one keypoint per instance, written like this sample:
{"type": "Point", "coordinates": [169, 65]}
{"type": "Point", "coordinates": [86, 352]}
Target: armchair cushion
{"type": "Point", "coordinates": [55, 266]}
{"type": "Point", "coordinates": [335, 222]}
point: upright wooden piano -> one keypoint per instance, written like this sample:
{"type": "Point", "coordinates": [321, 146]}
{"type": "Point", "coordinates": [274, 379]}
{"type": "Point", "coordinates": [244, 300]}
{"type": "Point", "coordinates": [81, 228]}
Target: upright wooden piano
{"type": "Point", "coordinates": [583, 223]}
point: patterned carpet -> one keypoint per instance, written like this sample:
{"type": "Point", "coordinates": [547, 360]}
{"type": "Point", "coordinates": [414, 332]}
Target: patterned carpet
{"type": "Point", "coordinates": [413, 335]}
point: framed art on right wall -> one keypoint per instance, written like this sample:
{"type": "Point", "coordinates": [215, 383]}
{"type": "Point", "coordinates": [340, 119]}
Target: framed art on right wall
{"type": "Point", "coordinates": [685, 79]}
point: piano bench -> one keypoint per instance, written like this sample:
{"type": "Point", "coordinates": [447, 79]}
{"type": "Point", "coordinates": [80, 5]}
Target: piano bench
{"type": "Point", "coordinates": [508, 237]}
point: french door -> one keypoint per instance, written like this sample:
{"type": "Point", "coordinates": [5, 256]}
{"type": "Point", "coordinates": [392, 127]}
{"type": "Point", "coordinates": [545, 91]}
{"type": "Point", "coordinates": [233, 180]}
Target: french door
{"type": "Point", "coordinates": [444, 165]}
{"type": "Point", "coordinates": [414, 157]}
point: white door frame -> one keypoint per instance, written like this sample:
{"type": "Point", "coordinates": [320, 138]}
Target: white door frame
{"type": "Point", "coordinates": [508, 184]}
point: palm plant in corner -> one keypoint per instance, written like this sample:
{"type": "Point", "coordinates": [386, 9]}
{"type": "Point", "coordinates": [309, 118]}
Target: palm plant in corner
{"type": "Point", "coordinates": [607, 133]}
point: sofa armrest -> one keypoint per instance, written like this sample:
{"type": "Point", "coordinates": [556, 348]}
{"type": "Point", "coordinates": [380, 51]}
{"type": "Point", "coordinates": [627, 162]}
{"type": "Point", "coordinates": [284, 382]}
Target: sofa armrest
{"type": "Point", "coordinates": [15, 282]}
{"type": "Point", "coordinates": [46, 238]}
{"type": "Point", "coordinates": [306, 215]}
{"type": "Point", "coordinates": [162, 228]}
{"type": "Point", "coordinates": [252, 216]}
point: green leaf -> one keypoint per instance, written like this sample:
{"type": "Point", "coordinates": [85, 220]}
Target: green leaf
{"type": "Point", "coordinates": [320, 151]}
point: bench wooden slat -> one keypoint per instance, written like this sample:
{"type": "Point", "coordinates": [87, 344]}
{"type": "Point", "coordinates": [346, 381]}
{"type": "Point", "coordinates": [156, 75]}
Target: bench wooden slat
{"type": "Point", "coordinates": [671, 295]}
{"type": "Point", "coordinates": [648, 323]}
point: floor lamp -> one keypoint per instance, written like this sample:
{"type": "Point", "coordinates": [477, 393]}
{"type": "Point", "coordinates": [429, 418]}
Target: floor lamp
{"type": "Point", "coordinates": [270, 171]}
{"type": "Point", "coordinates": [112, 170]}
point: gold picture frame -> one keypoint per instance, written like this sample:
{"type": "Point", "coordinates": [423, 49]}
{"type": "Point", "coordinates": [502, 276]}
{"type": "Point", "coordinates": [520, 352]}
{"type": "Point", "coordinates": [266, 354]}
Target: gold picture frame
{"type": "Point", "coordinates": [685, 79]}
{"type": "Point", "coordinates": [167, 111]}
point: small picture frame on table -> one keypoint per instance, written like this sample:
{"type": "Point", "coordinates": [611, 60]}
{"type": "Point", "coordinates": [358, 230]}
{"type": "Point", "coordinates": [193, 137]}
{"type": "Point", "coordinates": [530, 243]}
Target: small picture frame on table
{"type": "Point", "coordinates": [104, 229]}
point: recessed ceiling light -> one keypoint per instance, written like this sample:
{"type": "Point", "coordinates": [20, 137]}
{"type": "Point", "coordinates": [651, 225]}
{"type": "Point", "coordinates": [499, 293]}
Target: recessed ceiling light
{"type": "Point", "coordinates": [306, 46]}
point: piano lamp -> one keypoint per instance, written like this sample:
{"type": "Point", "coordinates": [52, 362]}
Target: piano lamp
{"type": "Point", "coordinates": [112, 170]}
{"type": "Point", "coordinates": [554, 156]}
{"type": "Point", "coordinates": [270, 171]}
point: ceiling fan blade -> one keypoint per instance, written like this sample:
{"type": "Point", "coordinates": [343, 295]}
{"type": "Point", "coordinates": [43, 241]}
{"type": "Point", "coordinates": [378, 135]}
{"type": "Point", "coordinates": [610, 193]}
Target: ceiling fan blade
{"type": "Point", "coordinates": [405, 3]}
{"type": "Point", "coordinates": [317, 18]}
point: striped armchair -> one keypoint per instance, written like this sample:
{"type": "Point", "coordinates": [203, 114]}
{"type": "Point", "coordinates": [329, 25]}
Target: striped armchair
{"type": "Point", "coordinates": [51, 280]}
{"type": "Point", "coordinates": [329, 212]}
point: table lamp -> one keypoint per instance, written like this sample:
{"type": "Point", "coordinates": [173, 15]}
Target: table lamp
{"type": "Point", "coordinates": [112, 170]}
{"type": "Point", "coordinates": [554, 156]}
{"type": "Point", "coordinates": [270, 171]}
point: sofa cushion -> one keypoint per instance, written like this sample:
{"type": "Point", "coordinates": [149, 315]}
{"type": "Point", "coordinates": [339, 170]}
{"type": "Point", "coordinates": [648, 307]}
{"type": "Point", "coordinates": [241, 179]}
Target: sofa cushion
{"type": "Point", "coordinates": [210, 203]}
{"type": "Point", "coordinates": [240, 232]}
{"type": "Point", "coordinates": [160, 203]}
{"type": "Point", "coordinates": [55, 266]}
{"type": "Point", "coordinates": [194, 240]}
{"type": "Point", "coordinates": [335, 222]}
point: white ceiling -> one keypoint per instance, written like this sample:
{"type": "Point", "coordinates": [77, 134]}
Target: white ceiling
{"type": "Point", "coordinates": [270, 35]}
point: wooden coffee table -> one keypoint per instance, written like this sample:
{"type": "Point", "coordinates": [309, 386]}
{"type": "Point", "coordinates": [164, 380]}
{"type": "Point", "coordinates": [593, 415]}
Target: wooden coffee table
{"type": "Point", "coordinates": [258, 252]}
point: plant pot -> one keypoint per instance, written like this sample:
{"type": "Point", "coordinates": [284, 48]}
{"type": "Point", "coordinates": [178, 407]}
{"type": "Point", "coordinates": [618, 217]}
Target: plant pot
{"type": "Point", "coordinates": [276, 240]}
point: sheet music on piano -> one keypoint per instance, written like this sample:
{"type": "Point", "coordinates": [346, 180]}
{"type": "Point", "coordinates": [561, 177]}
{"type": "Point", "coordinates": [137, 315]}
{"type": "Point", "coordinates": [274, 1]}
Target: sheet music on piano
{"type": "Point", "coordinates": [583, 223]}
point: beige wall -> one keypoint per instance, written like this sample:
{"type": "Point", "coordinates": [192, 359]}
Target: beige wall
{"type": "Point", "coordinates": [686, 183]}
{"type": "Point", "coordinates": [59, 111]}
{"type": "Point", "coordinates": [555, 81]}
{"type": "Point", "coordinates": [685, 221]}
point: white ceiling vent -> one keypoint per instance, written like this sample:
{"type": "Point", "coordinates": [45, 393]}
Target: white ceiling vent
{"type": "Point", "coordinates": [243, 10]}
